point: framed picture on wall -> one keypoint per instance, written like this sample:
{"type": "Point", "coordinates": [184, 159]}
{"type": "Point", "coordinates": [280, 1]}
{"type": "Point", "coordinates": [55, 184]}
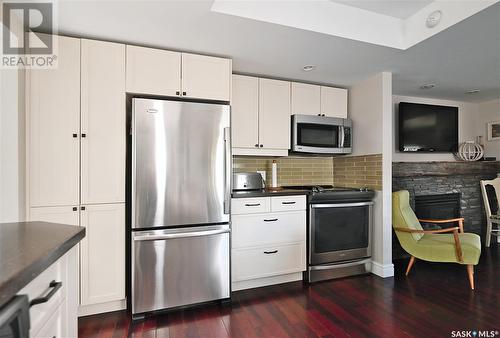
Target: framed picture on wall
{"type": "Point", "coordinates": [494, 131]}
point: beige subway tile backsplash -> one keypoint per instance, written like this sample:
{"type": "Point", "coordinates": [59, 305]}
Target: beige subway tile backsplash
{"type": "Point", "coordinates": [352, 171]}
{"type": "Point", "coordinates": [291, 170]}
{"type": "Point", "coordinates": [358, 171]}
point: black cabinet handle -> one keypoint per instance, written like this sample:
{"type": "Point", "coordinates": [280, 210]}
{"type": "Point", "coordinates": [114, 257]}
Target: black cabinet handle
{"type": "Point", "coordinates": [75, 208]}
{"type": "Point", "coordinates": [270, 252]}
{"type": "Point", "coordinates": [177, 93]}
{"type": "Point", "coordinates": [82, 208]}
{"type": "Point", "coordinates": [84, 135]}
{"type": "Point", "coordinates": [287, 202]}
{"type": "Point", "coordinates": [55, 286]}
{"type": "Point", "coordinates": [75, 135]}
{"type": "Point", "coordinates": [271, 220]}
{"type": "Point", "coordinates": [256, 145]}
{"type": "Point", "coordinates": [261, 145]}
{"type": "Point", "coordinates": [252, 205]}
{"type": "Point", "coordinates": [184, 93]}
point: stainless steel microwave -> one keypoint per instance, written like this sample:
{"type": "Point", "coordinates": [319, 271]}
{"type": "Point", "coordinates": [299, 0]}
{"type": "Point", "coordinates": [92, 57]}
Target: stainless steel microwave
{"type": "Point", "coordinates": [321, 135]}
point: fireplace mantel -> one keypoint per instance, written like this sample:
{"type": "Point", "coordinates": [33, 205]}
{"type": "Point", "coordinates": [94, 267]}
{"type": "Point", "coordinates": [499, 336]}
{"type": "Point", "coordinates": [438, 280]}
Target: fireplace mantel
{"type": "Point", "coordinates": [419, 169]}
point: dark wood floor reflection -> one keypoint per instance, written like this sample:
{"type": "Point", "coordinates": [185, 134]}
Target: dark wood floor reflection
{"type": "Point", "coordinates": [432, 302]}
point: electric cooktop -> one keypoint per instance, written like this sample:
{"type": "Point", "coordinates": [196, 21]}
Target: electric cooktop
{"type": "Point", "coordinates": [330, 193]}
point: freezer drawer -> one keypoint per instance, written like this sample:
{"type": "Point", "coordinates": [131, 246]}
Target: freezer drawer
{"type": "Point", "coordinates": [177, 267]}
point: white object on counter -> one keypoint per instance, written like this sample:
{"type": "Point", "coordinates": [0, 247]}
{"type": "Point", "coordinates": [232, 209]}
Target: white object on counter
{"type": "Point", "coordinates": [274, 174]}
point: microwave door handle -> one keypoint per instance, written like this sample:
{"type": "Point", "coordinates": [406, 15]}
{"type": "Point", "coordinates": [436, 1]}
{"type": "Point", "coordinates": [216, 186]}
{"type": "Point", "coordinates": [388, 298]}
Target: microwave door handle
{"type": "Point", "coordinates": [342, 137]}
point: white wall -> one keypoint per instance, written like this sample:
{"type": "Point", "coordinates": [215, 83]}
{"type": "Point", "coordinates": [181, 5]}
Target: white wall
{"type": "Point", "coordinates": [370, 108]}
{"type": "Point", "coordinates": [365, 111]}
{"type": "Point", "coordinates": [489, 111]}
{"type": "Point", "coordinates": [467, 125]}
{"type": "Point", "coordinates": [12, 145]}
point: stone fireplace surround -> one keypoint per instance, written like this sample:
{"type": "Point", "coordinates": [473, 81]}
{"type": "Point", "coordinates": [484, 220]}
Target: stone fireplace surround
{"type": "Point", "coordinates": [429, 178]}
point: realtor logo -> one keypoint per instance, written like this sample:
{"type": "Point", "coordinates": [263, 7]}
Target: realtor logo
{"type": "Point", "coordinates": [23, 46]}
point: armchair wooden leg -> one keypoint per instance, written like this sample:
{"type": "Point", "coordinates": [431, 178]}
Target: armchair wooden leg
{"type": "Point", "coordinates": [470, 272]}
{"type": "Point", "coordinates": [410, 265]}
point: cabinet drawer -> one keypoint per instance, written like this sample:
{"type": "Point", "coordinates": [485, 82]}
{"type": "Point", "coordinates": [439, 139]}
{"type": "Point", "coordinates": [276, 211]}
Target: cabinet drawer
{"type": "Point", "coordinates": [288, 203]}
{"type": "Point", "coordinates": [253, 205]}
{"type": "Point", "coordinates": [40, 287]}
{"type": "Point", "coordinates": [262, 229]}
{"type": "Point", "coordinates": [267, 261]}
{"type": "Point", "coordinates": [54, 327]}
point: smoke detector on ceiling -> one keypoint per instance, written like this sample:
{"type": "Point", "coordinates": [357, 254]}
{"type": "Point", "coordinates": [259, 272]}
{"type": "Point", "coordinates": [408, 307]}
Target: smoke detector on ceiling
{"type": "Point", "coordinates": [308, 68]}
{"type": "Point", "coordinates": [433, 19]}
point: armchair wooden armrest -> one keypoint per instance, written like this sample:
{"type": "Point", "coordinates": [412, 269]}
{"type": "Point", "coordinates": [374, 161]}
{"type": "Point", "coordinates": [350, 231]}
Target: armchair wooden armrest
{"type": "Point", "coordinates": [458, 247]}
{"type": "Point", "coordinates": [439, 221]}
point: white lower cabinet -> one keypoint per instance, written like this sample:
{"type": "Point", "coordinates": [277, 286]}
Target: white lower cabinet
{"type": "Point", "coordinates": [101, 261]}
{"type": "Point", "coordinates": [266, 261]}
{"type": "Point", "coordinates": [63, 215]}
{"type": "Point", "coordinates": [58, 316]}
{"type": "Point", "coordinates": [268, 247]}
{"type": "Point", "coordinates": [55, 326]}
{"type": "Point", "coordinates": [102, 254]}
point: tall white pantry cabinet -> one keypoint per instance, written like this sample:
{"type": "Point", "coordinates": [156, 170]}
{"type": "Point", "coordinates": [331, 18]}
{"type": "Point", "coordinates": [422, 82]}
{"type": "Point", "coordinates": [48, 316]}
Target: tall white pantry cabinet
{"type": "Point", "coordinates": [76, 160]}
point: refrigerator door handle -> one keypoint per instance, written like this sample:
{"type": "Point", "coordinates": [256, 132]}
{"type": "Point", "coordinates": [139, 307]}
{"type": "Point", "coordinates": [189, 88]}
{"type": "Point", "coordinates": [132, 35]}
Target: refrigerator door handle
{"type": "Point", "coordinates": [181, 235]}
{"type": "Point", "coordinates": [228, 158]}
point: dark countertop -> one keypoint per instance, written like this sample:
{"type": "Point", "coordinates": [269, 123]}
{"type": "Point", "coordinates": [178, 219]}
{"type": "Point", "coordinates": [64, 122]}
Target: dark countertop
{"type": "Point", "coordinates": [266, 193]}
{"type": "Point", "coordinates": [28, 248]}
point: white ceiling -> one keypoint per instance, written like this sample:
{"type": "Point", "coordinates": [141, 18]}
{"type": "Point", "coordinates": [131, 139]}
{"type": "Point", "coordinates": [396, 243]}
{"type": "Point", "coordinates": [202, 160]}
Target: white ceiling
{"type": "Point", "coordinates": [351, 22]}
{"type": "Point", "coordinates": [401, 9]}
{"type": "Point", "coordinates": [460, 58]}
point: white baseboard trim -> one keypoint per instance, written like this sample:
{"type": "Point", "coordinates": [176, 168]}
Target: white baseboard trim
{"type": "Point", "coordinates": [259, 282]}
{"type": "Point", "coordinates": [87, 310]}
{"type": "Point", "coordinates": [383, 271]}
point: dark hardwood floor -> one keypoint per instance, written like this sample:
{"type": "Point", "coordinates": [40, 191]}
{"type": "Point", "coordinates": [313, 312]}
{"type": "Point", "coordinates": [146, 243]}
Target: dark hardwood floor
{"type": "Point", "coordinates": [432, 302]}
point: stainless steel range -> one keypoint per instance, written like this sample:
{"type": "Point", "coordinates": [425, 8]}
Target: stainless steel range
{"type": "Point", "coordinates": [339, 231]}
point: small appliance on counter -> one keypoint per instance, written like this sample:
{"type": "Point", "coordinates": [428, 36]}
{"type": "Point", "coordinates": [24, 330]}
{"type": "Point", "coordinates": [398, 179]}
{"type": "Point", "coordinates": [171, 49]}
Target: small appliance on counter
{"type": "Point", "coordinates": [248, 181]}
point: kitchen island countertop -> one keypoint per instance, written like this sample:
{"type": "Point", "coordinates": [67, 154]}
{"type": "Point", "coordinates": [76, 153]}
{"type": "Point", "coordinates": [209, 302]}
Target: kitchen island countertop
{"type": "Point", "coordinates": [28, 248]}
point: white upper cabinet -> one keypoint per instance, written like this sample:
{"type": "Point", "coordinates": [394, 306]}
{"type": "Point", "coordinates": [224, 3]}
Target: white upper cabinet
{"type": "Point", "coordinates": [206, 77]}
{"type": "Point", "coordinates": [153, 71]}
{"type": "Point", "coordinates": [306, 99]}
{"type": "Point", "coordinates": [161, 72]}
{"type": "Point", "coordinates": [274, 114]}
{"type": "Point", "coordinates": [310, 99]}
{"type": "Point", "coordinates": [102, 254]}
{"type": "Point", "coordinates": [245, 112]}
{"type": "Point", "coordinates": [54, 129]}
{"type": "Point", "coordinates": [103, 122]}
{"type": "Point", "coordinates": [334, 102]}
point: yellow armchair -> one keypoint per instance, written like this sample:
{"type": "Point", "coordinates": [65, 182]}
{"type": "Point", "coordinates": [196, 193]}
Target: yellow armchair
{"type": "Point", "coordinates": [449, 245]}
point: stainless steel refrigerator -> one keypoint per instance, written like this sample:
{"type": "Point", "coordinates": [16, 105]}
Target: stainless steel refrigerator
{"type": "Point", "coordinates": [181, 186]}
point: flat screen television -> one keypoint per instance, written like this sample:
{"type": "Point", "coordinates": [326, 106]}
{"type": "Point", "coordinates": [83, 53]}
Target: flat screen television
{"type": "Point", "coordinates": [428, 128]}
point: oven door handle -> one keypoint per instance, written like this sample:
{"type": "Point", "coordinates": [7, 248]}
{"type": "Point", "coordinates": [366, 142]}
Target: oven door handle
{"type": "Point", "coordinates": [341, 205]}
